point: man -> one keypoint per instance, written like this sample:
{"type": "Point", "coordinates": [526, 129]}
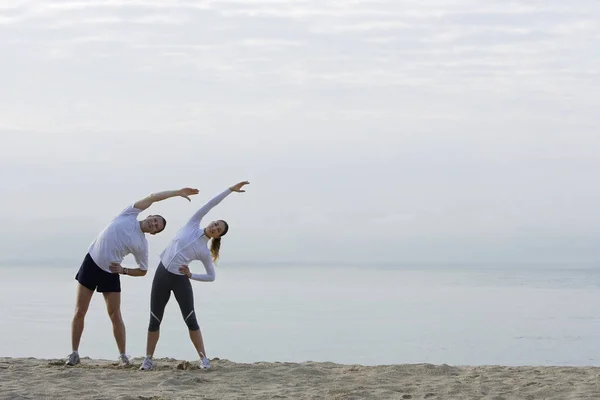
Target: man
{"type": "Point", "coordinates": [102, 265]}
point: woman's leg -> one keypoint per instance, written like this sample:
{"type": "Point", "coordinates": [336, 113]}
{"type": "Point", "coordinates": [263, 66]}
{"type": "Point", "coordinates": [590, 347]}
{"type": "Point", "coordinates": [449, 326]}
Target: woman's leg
{"type": "Point", "coordinates": [185, 297]}
{"type": "Point", "coordinates": [159, 297]}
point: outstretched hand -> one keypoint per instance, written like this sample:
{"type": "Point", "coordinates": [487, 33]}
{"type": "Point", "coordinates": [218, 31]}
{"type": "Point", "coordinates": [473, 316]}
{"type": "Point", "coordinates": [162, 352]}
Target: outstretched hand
{"type": "Point", "coordinates": [186, 192]}
{"type": "Point", "coordinates": [238, 187]}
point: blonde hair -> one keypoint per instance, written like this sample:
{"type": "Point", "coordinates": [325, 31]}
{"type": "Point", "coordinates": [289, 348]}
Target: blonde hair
{"type": "Point", "coordinates": [215, 246]}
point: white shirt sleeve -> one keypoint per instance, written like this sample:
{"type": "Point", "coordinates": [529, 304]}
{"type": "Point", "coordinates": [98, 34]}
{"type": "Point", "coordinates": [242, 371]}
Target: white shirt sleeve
{"type": "Point", "coordinates": [129, 210]}
{"type": "Point", "coordinates": [210, 271]}
{"type": "Point", "coordinates": [197, 217]}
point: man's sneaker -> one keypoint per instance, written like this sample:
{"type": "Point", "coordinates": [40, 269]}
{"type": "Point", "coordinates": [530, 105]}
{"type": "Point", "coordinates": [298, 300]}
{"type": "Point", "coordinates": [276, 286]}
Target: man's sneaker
{"type": "Point", "coordinates": [73, 359]}
{"type": "Point", "coordinates": [124, 360]}
{"type": "Point", "coordinates": [147, 364]}
{"type": "Point", "coordinates": [204, 363]}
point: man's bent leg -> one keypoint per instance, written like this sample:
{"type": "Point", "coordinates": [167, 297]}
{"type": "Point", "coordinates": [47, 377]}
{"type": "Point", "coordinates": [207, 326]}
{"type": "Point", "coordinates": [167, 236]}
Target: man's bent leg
{"type": "Point", "coordinates": [113, 306]}
{"type": "Point", "coordinates": [84, 296]}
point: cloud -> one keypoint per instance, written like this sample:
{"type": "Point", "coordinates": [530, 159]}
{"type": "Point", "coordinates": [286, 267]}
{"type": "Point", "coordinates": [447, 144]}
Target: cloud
{"type": "Point", "coordinates": [403, 116]}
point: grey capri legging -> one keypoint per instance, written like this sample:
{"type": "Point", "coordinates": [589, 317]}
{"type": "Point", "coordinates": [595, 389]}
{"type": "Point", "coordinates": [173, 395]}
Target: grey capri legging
{"type": "Point", "coordinates": [164, 282]}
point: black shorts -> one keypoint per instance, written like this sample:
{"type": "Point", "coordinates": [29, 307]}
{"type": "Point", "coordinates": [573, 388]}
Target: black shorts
{"type": "Point", "coordinates": [93, 277]}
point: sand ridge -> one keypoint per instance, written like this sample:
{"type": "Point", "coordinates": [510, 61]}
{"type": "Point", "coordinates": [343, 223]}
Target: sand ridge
{"type": "Point", "coordinates": [31, 378]}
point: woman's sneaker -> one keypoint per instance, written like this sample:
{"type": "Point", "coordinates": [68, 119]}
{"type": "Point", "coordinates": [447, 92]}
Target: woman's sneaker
{"type": "Point", "coordinates": [73, 359]}
{"type": "Point", "coordinates": [124, 360]}
{"type": "Point", "coordinates": [147, 364]}
{"type": "Point", "coordinates": [204, 363]}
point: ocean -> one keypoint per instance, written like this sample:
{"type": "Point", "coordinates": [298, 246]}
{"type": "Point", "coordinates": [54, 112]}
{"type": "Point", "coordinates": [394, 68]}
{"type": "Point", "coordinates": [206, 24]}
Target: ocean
{"type": "Point", "coordinates": [369, 315]}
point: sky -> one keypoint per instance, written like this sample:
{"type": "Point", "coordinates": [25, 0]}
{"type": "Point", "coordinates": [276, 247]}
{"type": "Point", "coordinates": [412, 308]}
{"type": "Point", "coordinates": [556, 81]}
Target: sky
{"type": "Point", "coordinates": [400, 131]}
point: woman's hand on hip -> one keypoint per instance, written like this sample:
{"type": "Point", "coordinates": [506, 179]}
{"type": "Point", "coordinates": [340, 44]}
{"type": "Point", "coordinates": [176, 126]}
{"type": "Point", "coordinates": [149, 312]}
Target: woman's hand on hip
{"type": "Point", "coordinates": [185, 270]}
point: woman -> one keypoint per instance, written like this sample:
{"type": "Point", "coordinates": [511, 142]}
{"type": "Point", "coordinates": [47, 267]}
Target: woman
{"type": "Point", "coordinates": [173, 274]}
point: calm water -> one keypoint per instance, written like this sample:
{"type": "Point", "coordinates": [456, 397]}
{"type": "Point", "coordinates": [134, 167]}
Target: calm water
{"type": "Point", "coordinates": [367, 315]}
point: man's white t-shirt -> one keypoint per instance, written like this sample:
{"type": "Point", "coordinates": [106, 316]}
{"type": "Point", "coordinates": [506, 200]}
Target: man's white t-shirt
{"type": "Point", "coordinates": [122, 236]}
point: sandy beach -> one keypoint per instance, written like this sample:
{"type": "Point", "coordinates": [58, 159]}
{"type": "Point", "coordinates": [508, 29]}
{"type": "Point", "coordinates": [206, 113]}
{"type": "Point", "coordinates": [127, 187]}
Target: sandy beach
{"type": "Point", "coordinates": [30, 378]}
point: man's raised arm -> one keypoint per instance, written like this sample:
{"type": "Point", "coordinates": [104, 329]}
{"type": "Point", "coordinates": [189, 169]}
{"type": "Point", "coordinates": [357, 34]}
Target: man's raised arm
{"type": "Point", "coordinates": [154, 197]}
